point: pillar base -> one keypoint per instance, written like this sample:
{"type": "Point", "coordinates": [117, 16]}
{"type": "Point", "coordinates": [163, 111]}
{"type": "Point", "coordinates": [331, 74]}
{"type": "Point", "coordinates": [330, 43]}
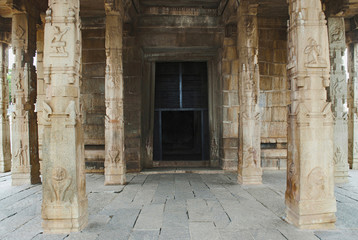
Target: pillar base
{"type": "Point", "coordinates": [61, 218]}
{"type": "Point", "coordinates": [19, 179]}
{"type": "Point", "coordinates": [115, 180]}
{"type": "Point", "coordinates": [5, 168]}
{"type": "Point", "coordinates": [354, 166]}
{"type": "Point", "coordinates": [250, 180]}
{"type": "Point", "coordinates": [341, 174]}
{"type": "Point", "coordinates": [312, 214]}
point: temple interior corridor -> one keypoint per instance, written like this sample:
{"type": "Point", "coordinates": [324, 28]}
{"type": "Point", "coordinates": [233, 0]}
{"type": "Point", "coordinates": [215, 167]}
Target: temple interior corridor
{"type": "Point", "coordinates": [171, 204]}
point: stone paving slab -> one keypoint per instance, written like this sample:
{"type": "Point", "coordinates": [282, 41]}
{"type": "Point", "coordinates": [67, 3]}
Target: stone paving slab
{"type": "Point", "coordinates": [177, 206]}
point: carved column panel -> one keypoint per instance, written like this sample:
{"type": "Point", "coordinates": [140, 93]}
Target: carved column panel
{"type": "Point", "coordinates": [309, 195]}
{"type": "Point", "coordinates": [115, 166]}
{"type": "Point", "coordinates": [249, 168]}
{"type": "Point", "coordinates": [5, 154]}
{"type": "Point", "coordinates": [338, 95]}
{"type": "Point", "coordinates": [353, 106]}
{"type": "Point", "coordinates": [64, 205]}
{"type": "Point", "coordinates": [25, 161]}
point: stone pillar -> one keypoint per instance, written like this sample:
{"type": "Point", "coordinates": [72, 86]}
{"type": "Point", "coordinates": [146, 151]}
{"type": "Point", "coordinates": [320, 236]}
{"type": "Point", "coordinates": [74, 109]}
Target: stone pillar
{"type": "Point", "coordinates": [338, 95]}
{"type": "Point", "coordinates": [115, 166]}
{"type": "Point", "coordinates": [24, 147]}
{"type": "Point", "coordinates": [5, 151]}
{"type": "Point", "coordinates": [353, 105]}
{"type": "Point", "coordinates": [249, 168]}
{"type": "Point", "coordinates": [309, 195]}
{"type": "Point", "coordinates": [41, 95]}
{"type": "Point", "coordinates": [64, 204]}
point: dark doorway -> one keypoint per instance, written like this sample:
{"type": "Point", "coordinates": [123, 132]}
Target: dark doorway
{"type": "Point", "coordinates": [181, 131]}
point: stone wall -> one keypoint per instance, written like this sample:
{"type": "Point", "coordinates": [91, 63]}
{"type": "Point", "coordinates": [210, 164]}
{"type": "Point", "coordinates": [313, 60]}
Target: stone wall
{"type": "Point", "coordinates": [274, 95]}
{"type": "Point", "coordinates": [93, 98]}
{"type": "Point", "coordinates": [230, 104]}
{"type": "Point", "coordinates": [92, 92]}
{"type": "Point", "coordinates": [132, 74]}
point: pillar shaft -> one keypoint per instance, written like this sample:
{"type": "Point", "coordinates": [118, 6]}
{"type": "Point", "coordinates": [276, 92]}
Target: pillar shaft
{"type": "Point", "coordinates": [64, 205]}
{"type": "Point", "coordinates": [5, 152]}
{"type": "Point", "coordinates": [115, 166]}
{"type": "Point", "coordinates": [353, 106]}
{"type": "Point", "coordinates": [41, 95]}
{"type": "Point", "coordinates": [309, 196]}
{"type": "Point", "coordinates": [338, 95]}
{"type": "Point", "coordinates": [249, 167]}
{"type": "Point", "coordinates": [25, 161]}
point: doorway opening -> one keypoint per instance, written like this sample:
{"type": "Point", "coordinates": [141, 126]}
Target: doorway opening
{"type": "Point", "coordinates": [181, 125]}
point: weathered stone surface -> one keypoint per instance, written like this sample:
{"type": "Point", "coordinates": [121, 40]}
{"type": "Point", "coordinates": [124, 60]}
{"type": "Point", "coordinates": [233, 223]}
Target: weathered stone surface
{"type": "Point", "coordinates": [64, 200]}
{"type": "Point", "coordinates": [309, 198]}
{"type": "Point", "coordinates": [115, 164]}
{"type": "Point", "coordinates": [338, 94]}
{"type": "Point", "coordinates": [5, 151]}
{"type": "Point", "coordinates": [352, 105]}
{"type": "Point", "coordinates": [249, 166]}
{"type": "Point", "coordinates": [25, 166]}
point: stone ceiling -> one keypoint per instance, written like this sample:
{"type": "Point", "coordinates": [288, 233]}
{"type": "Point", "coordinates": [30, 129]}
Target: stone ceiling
{"type": "Point", "coordinates": [274, 8]}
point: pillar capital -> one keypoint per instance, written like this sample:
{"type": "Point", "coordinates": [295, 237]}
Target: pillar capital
{"type": "Point", "coordinates": [114, 7]}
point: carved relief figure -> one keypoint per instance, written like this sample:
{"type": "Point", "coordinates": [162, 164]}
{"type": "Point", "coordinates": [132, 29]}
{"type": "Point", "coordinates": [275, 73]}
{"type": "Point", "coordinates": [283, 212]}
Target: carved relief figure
{"type": "Point", "coordinates": [18, 81]}
{"type": "Point", "coordinates": [114, 156]}
{"type": "Point", "coordinates": [316, 184]}
{"type": "Point", "coordinates": [250, 26]}
{"type": "Point", "coordinates": [214, 148]}
{"type": "Point", "coordinates": [250, 157]}
{"type": "Point", "coordinates": [20, 32]}
{"type": "Point", "coordinates": [57, 44]}
{"type": "Point", "coordinates": [21, 155]}
{"type": "Point", "coordinates": [149, 147]}
{"type": "Point", "coordinates": [336, 33]}
{"type": "Point", "coordinates": [60, 183]}
{"type": "Point", "coordinates": [292, 182]}
{"type": "Point", "coordinates": [338, 155]}
{"type": "Point", "coordinates": [313, 52]}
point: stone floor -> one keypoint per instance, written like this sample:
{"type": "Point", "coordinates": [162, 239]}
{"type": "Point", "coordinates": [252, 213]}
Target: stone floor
{"type": "Point", "coordinates": [177, 206]}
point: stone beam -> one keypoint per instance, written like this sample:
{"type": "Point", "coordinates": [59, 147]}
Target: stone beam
{"type": "Point", "coordinates": [249, 167]}
{"type": "Point", "coordinates": [24, 147]}
{"type": "Point", "coordinates": [115, 166]}
{"type": "Point", "coordinates": [310, 201]}
{"type": "Point", "coordinates": [64, 200]}
{"type": "Point", "coordinates": [338, 97]}
{"type": "Point", "coordinates": [5, 154]}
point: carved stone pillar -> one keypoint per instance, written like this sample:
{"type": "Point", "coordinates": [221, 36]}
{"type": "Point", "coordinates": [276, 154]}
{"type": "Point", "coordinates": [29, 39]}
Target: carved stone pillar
{"type": "Point", "coordinates": [25, 161]}
{"type": "Point", "coordinates": [338, 95]}
{"type": "Point", "coordinates": [115, 166]}
{"type": "Point", "coordinates": [309, 195]}
{"type": "Point", "coordinates": [353, 105]}
{"type": "Point", "coordinates": [64, 205]}
{"type": "Point", "coordinates": [41, 94]}
{"type": "Point", "coordinates": [5, 151]}
{"type": "Point", "coordinates": [249, 167]}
